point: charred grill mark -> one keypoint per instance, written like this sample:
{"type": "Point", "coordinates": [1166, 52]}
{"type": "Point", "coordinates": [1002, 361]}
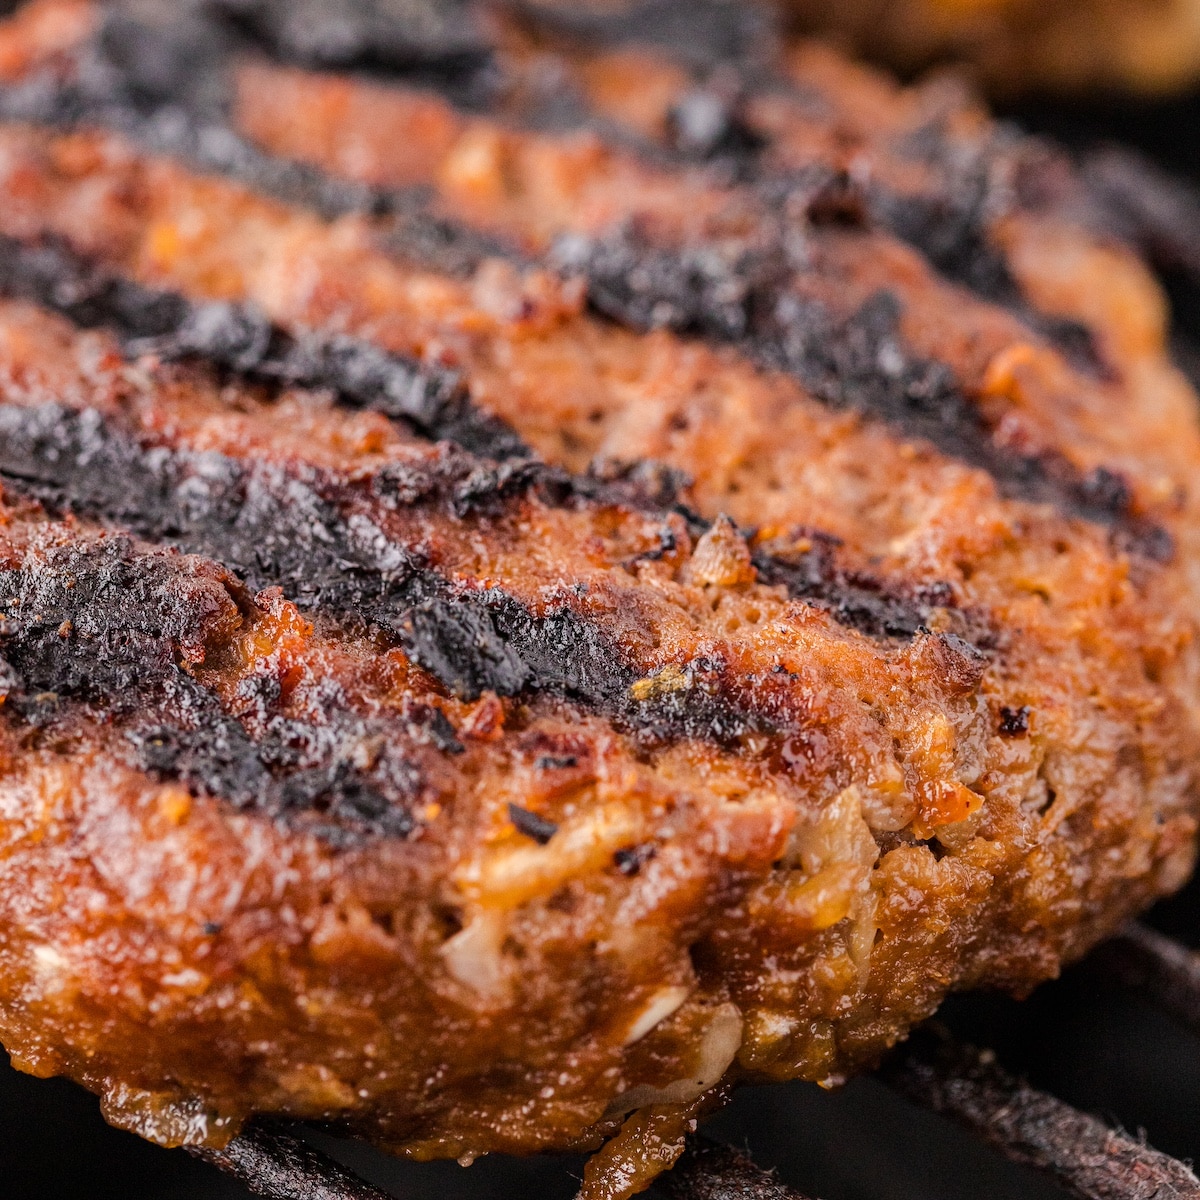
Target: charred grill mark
{"type": "Point", "coordinates": [273, 526]}
{"type": "Point", "coordinates": [142, 78]}
{"type": "Point", "coordinates": [531, 825]}
{"type": "Point", "coordinates": [853, 599]}
{"type": "Point", "coordinates": [489, 641]}
{"type": "Point", "coordinates": [700, 33]}
{"type": "Point", "coordinates": [444, 39]}
{"type": "Point", "coordinates": [949, 227]}
{"type": "Point", "coordinates": [311, 533]}
{"type": "Point", "coordinates": [43, 101]}
{"type": "Point", "coordinates": [117, 631]}
{"type": "Point", "coordinates": [948, 224]}
{"type": "Point", "coordinates": [298, 770]}
{"type": "Point", "coordinates": [166, 88]}
{"type": "Point", "coordinates": [741, 294]}
{"type": "Point", "coordinates": [162, 55]}
{"type": "Point", "coordinates": [862, 362]}
{"type": "Point", "coordinates": [140, 616]}
{"type": "Point", "coordinates": [238, 338]}
{"type": "Point", "coordinates": [444, 45]}
{"type": "Point", "coordinates": [276, 527]}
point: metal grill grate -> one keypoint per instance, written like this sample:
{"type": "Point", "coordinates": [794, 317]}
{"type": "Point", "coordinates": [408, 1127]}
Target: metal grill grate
{"type": "Point", "coordinates": [1081, 1153]}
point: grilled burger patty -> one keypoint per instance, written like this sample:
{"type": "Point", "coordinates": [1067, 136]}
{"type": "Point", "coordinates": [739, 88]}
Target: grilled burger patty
{"type": "Point", "coordinates": [551, 565]}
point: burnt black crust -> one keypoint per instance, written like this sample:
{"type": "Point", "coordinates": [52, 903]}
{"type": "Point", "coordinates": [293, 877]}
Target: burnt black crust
{"type": "Point", "coordinates": [272, 525]}
{"type": "Point", "coordinates": [297, 529]}
{"type": "Point", "coordinates": [488, 641]}
{"type": "Point", "coordinates": [240, 339]}
{"type": "Point", "coordinates": [136, 614]}
{"type": "Point", "coordinates": [950, 227]}
{"type": "Point", "coordinates": [701, 33]}
{"type": "Point", "coordinates": [106, 627]}
{"type": "Point", "coordinates": [405, 35]}
{"type": "Point", "coordinates": [531, 825]}
{"type": "Point", "coordinates": [853, 599]}
{"type": "Point", "coordinates": [949, 223]}
{"type": "Point", "coordinates": [742, 294]}
{"type": "Point", "coordinates": [165, 86]}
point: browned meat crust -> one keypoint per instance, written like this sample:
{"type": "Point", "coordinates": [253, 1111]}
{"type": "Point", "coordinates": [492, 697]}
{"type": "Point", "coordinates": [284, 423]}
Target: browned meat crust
{"type": "Point", "coordinates": [526, 604]}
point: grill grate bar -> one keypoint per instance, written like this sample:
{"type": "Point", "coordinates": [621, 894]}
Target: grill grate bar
{"type": "Point", "coordinates": [710, 1171]}
{"type": "Point", "coordinates": [1080, 1152]}
{"type": "Point", "coordinates": [280, 1166]}
{"type": "Point", "coordinates": [1161, 969]}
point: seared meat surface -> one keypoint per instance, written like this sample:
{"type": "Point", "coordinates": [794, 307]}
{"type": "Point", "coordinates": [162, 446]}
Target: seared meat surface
{"type": "Point", "coordinates": [550, 567]}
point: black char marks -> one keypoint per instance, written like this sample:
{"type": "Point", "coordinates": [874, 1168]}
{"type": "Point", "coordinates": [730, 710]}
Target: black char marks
{"type": "Point", "coordinates": [740, 294]}
{"type": "Point", "coordinates": [138, 615]}
{"type": "Point", "coordinates": [853, 599]}
{"type": "Point", "coordinates": [860, 361]}
{"type": "Point", "coordinates": [164, 84]}
{"type": "Point", "coordinates": [948, 222]}
{"type": "Point", "coordinates": [294, 528]}
{"type": "Point", "coordinates": [531, 825]}
{"type": "Point", "coordinates": [488, 640]}
{"type": "Point", "coordinates": [162, 80]}
{"type": "Point", "coordinates": [950, 225]}
{"type": "Point", "coordinates": [702, 33]}
{"type": "Point", "coordinates": [324, 540]}
{"type": "Point", "coordinates": [101, 625]}
{"type": "Point", "coordinates": [309, 533]}
{"type": "Point", "coordinates": [238, 338]}
{"type": "Point", "coordinates": [405, 35]}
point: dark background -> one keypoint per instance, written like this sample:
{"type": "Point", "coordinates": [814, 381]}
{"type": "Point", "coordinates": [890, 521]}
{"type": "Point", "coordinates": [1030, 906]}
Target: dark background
{"type": "Point", "coordinates": [1082, 1038]}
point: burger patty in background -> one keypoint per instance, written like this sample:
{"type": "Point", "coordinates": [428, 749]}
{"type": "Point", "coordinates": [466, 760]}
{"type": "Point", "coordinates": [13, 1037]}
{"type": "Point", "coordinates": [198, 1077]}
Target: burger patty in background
{"type": "Point", "coordinates": [1134, 47]}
